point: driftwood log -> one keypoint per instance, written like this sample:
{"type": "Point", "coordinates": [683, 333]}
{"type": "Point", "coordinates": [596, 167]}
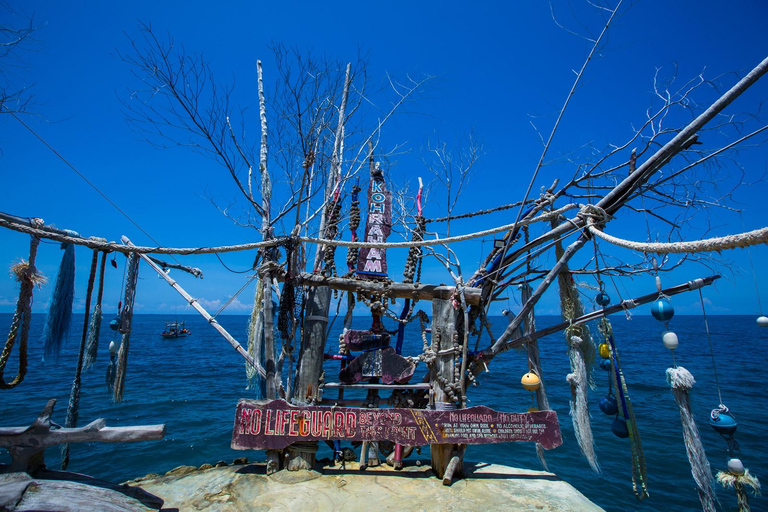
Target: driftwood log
{"type": "Point", "coordinates": [390, 289]}
{"type": "Point", "coordinates": [28, 444]}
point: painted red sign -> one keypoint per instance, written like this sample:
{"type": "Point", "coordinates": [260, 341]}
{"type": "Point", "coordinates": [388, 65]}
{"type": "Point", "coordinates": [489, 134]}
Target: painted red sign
{"type": "Point", "coordinates": [372, 261]}
{"type": "Point", "coordinates": [275, 424]}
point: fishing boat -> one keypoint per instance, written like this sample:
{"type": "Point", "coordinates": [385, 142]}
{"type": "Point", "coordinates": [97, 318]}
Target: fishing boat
{"type": "Point", "coordinates": [175, 330]}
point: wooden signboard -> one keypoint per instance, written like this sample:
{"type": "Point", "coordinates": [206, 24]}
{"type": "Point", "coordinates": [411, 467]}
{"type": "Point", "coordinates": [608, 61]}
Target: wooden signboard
{"type": "Point", "coordinates": [274, 424]}
{"type": "Point", "coordinates": [372, 261]}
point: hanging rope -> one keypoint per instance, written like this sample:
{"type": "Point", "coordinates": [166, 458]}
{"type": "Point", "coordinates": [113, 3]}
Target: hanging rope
{"type": "Point", "coordinates": [739, 482]}
{"type": "Point", "coordinates": [579, 401]}
{"type": "Point", "coordinates": [682, 382]}
{"type": "Point", "coordinates": [126, 317]}
{"type": "Point", "coordinates": [94, 329]}
{"type": "Point", "coordinates": [256, 342]}
{"type": "Point", "coordinates": [28, 276]}
{"type": "Point", "coordinates": [74, 396]}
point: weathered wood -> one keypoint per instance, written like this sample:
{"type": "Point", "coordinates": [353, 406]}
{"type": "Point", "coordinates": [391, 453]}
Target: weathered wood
{"type": "Point", "coordinates": [26, 445]}
{"type": "Point", "coordinates": [442, 373]}
{"type": "Point", "coordinates": [310, 364]}
{"type": "Point", "coordinates": [453, 465]}
{"type": "Point", "coordinates": [396, 290]}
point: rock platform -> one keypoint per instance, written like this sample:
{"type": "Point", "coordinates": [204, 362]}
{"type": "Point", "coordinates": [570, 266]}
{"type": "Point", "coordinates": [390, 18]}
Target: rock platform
{"type": "Point", "coordinates": [487, 487]}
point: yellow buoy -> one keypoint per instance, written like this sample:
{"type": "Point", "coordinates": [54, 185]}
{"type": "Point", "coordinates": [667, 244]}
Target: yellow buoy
{"type": "Point", "coordinates": [531, 381]}
{"type": "Point", "coordinates": [605, 351]}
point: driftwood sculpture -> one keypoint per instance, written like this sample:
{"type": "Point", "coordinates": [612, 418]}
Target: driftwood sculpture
{"type": "Point", "coordinates": [27, 445]}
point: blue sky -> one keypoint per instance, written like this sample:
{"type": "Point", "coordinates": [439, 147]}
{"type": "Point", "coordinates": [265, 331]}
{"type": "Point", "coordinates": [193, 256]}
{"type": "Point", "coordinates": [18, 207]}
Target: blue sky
{"type": "Point", "coordinates": [498, 67]}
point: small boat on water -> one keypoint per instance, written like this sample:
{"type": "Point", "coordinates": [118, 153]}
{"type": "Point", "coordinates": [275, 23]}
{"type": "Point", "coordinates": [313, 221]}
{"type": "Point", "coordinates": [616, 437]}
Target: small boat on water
{"type": "Point", "coordinates": [175, 330]}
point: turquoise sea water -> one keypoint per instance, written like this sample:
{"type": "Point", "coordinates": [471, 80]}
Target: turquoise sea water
{"type": "Point", "coordinates": [193, 384]}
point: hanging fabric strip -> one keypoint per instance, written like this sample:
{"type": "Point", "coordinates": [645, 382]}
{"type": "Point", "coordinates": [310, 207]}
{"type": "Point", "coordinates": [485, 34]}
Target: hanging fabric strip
{"type": "Point", "coordinates": [534, 365]}
{"type": "Point", "coordinates": [60, 306]}
{"type": "Point", "coordinates": [126, 317]}
{"type": "Point", "coordinates": [682, 382]}
{"type": "Point", "coordinates": [639, 477]}
{"type": "Point", "coordinates": [582, 428]}
{"type": "Point", "coordinates": [74, 396]}
{"type": "Point", "coordinates": [28, 276]}
{"type": "Point", "coordinates": [92, 344]}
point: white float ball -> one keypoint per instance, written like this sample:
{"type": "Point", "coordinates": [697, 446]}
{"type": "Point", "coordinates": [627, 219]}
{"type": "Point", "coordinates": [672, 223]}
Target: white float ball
{"type": "Point", "coordinates": [762, 321]}
{"type": "Point", "coordinates": [735, 466]}
{"type": "Point", "coordinates": [669, 339]}
{"type": "Point", "coordinates": [112, 347]}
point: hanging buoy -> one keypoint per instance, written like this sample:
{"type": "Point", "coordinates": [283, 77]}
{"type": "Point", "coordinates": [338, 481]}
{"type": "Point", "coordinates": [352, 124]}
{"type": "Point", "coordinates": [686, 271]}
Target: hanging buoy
{"type": "Point", "coordinates": [530, 381]}
{"type": "Point", "coordinates": [762, 321]}
{"type": "Point", "coordinates": [115, 323]}
{"type": "Point", "coordinates": [619, 428]}
{"type": "Point", "coordinates": [735, 467]}
{"type": "Point", "coordinates": [605, 364]}
{"type": "Point", "coordinates": [605, 350]}
{"type": "Point", "coordinates": [724, 424]}
{"type": "Point", "coordinates": [113, 347]}
{"type": "Point", "coordinates": [608, 405]}
{"type": "Point", "coordinates": [603, 299]}
{"type": "Point", "coordinates": [670, 340]}
{"type": "Point", "coordinates": [662, 310]}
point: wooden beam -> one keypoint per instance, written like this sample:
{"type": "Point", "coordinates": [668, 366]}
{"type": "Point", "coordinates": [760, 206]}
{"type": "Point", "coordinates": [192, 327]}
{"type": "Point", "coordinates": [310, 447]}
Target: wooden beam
{"type": "Point", "coordinates": [397, 290]}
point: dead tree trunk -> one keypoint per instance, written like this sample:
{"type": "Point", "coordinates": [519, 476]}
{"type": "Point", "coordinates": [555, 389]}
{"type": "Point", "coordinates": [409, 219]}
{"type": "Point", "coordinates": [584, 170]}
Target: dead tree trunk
{"type": "Point", "coordinates": [445, 384]}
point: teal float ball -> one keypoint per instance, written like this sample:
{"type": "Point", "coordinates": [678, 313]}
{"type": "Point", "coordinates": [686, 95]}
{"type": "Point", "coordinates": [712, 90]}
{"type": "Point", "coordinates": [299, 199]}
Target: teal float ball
{"type": "Point", "coordinates": [603, 299]}
{"type": "Point", "coordinates": [662, 310]}
{"type": "Point", "coordinates": [605, 364]}
{"type": "Point", "coordinates": [608, 405]}
{"type": "Point", "coordinates": [115, 323]}
{"type": "Point", "coordinates": [619, 428]}
{"type": "Point", "coordinates": [724, 424]}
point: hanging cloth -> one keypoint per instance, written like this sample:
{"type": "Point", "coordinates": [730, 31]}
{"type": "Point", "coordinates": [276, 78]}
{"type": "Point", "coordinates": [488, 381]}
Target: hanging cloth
{"type": "Point", "coordinates": [74, 396]}
{"type": "Point", "coordinates": [28, 276]}
{"type": "Point", "coordinates": [92, 343]}
{"type": "Point", "coordinates": [126, 317]}
{"type": "Point", "coordinates": [60, 307]}
{"type": "Point", "coordinates": [256, 343]}
{"type": "Point", "coordinates": [682, 382]}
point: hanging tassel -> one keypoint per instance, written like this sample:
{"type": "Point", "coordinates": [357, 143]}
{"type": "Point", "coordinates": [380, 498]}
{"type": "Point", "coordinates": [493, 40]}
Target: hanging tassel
{"type": "Point", "coordinates": [256, 342]}
{"type": "Point", "coordinates": [126, 316]}
{"type": "Point", "coordinates": [579, 402]}
{"type": "Point", "coordinates": [74, 396]}
{"type": "Point", "coordinates": [60, 308]}
{"type": "Point", "coordinates": [92, 343]}
{"type": "Point", "coordinates": [738, 478]}
{"type": "Point", "coordinates": [681, 382]}
{"type": "Point", "coordinates": [28, 276]}
{"type": "Point", "coordinates": [639, 477]}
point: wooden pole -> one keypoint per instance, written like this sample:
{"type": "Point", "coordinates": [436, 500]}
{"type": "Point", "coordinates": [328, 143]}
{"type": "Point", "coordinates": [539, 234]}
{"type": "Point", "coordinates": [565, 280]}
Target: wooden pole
{"type": "Point", "coordinates": [397, 290]}
{"type": "Point", "coordinates": [193, 302]}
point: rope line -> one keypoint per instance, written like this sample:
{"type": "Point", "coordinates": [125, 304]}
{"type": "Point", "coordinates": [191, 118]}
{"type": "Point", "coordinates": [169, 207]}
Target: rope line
{"type": "Point", "coordinates": [94, 243]}
{"type": "Point", "coordinates": [740, 240]}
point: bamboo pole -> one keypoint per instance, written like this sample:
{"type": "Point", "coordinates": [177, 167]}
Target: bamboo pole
{"type": "Point", "coordinates": [200, 309]}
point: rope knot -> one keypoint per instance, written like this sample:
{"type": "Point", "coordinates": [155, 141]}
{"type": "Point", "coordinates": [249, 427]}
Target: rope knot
{"type": "Point", "coordinates": [594, 215]}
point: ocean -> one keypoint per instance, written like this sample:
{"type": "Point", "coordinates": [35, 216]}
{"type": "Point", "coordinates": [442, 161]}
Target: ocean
{"type": "Point", "coordinates": [193, 384]}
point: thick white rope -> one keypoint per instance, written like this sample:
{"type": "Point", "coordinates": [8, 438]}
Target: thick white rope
{"type": "Point", "coordinates": [740, 240]}
{"type": "Point", "coordinates": [94, 243]}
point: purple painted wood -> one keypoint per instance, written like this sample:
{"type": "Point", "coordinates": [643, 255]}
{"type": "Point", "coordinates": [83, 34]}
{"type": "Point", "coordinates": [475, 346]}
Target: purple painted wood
{"type": "Point", "coordinates": [372, 262]}
{"type": "Point", "coordinates": [365, 340]}
{"type": "Point", "coordinates": [265, 424]}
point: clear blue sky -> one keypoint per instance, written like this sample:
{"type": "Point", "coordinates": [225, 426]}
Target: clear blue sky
{"type": "Point", "coordinates": [498, 66]}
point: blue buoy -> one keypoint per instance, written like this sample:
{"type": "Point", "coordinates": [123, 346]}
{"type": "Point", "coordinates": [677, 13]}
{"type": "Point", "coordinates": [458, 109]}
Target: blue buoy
{"type": "Point", "coordinates": [662, 310]}
{"type": "Point", "coordinates": [619, 428]}
{"type": "Point", "coordinates": [603, 299]}
{"type": "Point", "coordinates": [724, 424]}
{"type": "Point", "coordinates": [608, 405]}
{"type": "Point", "coordinates": [115, 323]}
{"type": "Point", "coordinates": [605, 364]}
